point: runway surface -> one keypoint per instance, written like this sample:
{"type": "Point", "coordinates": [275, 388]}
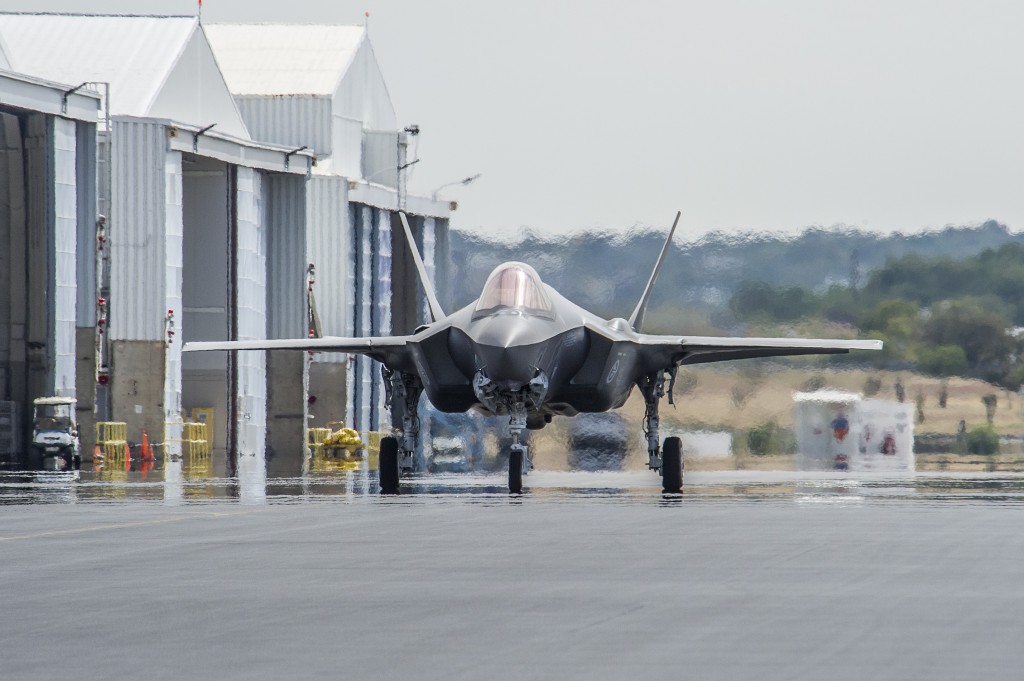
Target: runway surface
{"type": "Point", "coordinates": [744, 576]}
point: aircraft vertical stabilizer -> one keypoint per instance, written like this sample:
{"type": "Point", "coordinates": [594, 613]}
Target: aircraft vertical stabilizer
{"type": "Point", "coordinates": [435, 307]}
{"type": "Point", "coordinates": [637, 318]}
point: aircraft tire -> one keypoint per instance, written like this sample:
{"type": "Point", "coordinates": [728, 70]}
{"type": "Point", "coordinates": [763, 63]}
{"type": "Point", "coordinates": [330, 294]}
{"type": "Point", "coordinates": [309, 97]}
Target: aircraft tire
{"type": "Point", "coordinates": [389, 471]}
{"type": "Point", "coordinates": [515, 471]}
{"type": "Point", "coordinates": [672, 466]}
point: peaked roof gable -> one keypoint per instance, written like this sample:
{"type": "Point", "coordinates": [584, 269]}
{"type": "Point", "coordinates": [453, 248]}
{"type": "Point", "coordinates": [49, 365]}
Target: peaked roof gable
{"type": "Point", "coordinates": [4, 62]}
{"type": "Point", "coordinates": [284, 59]}
{"type": "Point", "coordinates": [143, 58]}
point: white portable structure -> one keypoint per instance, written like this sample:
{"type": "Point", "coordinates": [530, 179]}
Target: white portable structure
{"type": "Point", "coordinates": [839, 430]}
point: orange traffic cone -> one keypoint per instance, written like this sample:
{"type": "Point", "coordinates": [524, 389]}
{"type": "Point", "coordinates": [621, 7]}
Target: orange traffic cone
{"type": "Point", "coordinates": [147, 453]}
{"type": "Point", "coordinates": [127, 457]}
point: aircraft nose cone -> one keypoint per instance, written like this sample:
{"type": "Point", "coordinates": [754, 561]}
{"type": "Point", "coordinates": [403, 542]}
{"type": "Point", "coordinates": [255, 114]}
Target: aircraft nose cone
{"type": "Point", "coordinates": [504, 331]}
{"type": "Point", "coordinates": [510, 368]}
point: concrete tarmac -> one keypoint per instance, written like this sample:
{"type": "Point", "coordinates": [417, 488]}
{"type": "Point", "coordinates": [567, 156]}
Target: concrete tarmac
{"type": "Point", "coordinates": [556, 584]}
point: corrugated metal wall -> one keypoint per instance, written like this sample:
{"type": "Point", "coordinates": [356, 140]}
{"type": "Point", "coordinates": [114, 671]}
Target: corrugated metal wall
{"type": "Point", "coordinates": [65, 228]}
{"type": "Point", "coordinates": [365, 228]}
{"type": "Point", "coordinates": [174, 239]}
{"type": "Point", "coordinates": [86, 183]}
{"type": "Point", "coordinates": [327, 245]}
{"type": "Point", "coordinates": [252, 313]}
{"type": "Point", "coordinates": [137, 231]}
{"type": "Point", "coordinates": [442, 264]}
{"type": "Point", "coordinates": [370, 314]}
{"type": "Point", "coordinates": [291, 121]}
{"type": "Point", "coordinates": [382, 299]}
{"type": "Point", "coordinates": [429, 262]}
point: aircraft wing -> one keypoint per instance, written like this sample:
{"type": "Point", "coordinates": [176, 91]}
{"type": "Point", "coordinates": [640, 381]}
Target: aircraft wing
{"type": "Point", "coordinates": [703, 349]}
{"type": "Point", "coordinates": [389, 350]}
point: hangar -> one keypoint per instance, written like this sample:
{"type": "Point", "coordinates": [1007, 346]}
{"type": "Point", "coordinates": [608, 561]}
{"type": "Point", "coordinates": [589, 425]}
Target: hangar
{"type": "Point", "coordinates": [195, 228]}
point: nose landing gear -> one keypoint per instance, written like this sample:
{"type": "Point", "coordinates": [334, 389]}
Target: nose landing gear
{"type": "Point", "coordinates": [519, 454]}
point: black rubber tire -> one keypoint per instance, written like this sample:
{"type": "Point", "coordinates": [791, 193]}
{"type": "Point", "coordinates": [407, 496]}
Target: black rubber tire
{"type": "Point", "coordinates": [515, 471]}
{"type": "Point", "coordinates": [389, 471]}
{"type": "Point", "coordinates": [672, 466]}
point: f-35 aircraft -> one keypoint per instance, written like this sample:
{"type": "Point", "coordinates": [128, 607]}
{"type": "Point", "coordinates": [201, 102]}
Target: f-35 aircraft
{"type": "Point", "coordinates": [524, 351]}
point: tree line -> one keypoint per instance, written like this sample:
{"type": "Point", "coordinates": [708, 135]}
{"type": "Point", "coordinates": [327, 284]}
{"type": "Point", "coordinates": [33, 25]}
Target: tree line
{"type": "Point", "coordinates": [942, 316]}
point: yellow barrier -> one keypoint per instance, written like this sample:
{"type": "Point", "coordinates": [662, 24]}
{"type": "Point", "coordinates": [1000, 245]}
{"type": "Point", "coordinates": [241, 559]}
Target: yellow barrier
{"type": "Point", "coordinates": [197, 436]}
{"type": "Point", "coordinates": [194, 440]}
{"type": "Point", "coordinates": [373, 439]}
{"type": "Point", "coordinates": [111, 431]}
{"type": "Point", "coordinates": [315, 439]}
{"type": "Point", "coordinates": [112, 437]}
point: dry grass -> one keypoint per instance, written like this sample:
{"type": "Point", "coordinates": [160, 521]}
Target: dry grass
{"type": "Point", "coordinates": [712, 405]}
{"type": "Point", "coordinates": [711, 402]}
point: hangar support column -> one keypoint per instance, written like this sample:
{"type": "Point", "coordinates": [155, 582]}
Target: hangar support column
{"type": "Point", "coordinates": [145, 236]}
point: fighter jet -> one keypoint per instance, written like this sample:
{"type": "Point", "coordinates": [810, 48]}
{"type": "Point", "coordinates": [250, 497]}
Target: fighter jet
{"type": "Point", "coordinates": [524, 351]}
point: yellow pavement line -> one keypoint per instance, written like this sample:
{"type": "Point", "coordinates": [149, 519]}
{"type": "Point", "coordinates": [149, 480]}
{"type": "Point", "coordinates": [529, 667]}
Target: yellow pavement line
{"type": "Point", "coordinates": [118, 526]}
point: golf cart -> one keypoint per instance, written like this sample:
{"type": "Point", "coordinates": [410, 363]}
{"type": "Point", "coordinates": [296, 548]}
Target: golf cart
{"type": "Point", "coordinates": [54, 435]}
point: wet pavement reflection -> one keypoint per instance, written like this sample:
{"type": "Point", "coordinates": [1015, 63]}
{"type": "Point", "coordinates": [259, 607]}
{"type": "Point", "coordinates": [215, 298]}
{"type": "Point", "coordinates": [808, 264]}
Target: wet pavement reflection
{"type": "Point", "coordinates": [180, 482]}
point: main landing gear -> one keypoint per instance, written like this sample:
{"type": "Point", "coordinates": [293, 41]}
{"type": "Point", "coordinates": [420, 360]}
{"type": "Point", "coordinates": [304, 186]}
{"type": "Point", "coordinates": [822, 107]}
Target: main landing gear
{"type": "Point", "coordinates": [397, 455]}
{"type": "Point", "coordinates": [668, 461]}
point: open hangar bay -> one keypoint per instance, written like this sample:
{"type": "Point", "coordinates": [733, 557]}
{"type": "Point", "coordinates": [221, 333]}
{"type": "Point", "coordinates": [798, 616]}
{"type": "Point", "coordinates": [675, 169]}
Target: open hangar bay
{"type": "Point", "coordinates": [758, 576]}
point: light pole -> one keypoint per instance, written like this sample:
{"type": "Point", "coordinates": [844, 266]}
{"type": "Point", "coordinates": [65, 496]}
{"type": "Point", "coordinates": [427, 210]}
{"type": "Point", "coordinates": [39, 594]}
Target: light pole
{"type": "Point", "coordinates": [464, 181]}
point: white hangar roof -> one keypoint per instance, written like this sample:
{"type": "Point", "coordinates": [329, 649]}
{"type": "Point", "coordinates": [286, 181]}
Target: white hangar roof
{"type": "Point", "coordinates": [157, 66]}
{"type": "Point", "coordinates": [284, 59]}
{"type": "Point", "coordinates": [313, 60]}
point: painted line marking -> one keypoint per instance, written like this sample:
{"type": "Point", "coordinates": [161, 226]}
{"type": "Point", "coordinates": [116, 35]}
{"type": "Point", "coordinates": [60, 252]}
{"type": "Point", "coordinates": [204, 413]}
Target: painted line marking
{"type": "Point", "coordinates": [119, 526]}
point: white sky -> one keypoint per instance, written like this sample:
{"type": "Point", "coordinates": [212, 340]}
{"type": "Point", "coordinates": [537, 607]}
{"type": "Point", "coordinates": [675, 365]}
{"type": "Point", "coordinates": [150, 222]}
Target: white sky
{"type": "Point", "coordinates": [882, 114]}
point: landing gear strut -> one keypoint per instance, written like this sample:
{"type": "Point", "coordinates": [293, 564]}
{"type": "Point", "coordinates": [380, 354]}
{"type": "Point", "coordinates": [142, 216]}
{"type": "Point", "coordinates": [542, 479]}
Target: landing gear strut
{"type": "Point", "coordinates": [519, 456]}
{"type": "Point", "coordinates": [516, 404]}
{"type": "Point", "coordinates": [407, 388]}
{"type": "Point", "coordinates": [668, 462]}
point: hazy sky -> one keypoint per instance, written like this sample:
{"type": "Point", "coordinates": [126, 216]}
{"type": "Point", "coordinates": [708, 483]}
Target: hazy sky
{"type": "Point", "coordinates": [882, 114]}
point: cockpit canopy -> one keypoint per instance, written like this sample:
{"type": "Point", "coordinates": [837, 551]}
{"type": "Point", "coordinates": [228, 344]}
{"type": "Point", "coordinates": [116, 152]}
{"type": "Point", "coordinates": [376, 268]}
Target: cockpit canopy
{"type": "Point", "coordinates": [514, 287]}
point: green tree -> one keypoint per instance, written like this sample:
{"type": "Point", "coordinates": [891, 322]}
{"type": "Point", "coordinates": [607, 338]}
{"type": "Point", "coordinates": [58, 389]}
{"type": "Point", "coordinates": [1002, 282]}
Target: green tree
{"type": "Point", "coordinates": [983, 440]}
{"type": "Point", "coordinates": [943, 360]}
{"type": "Point", "coordinates": [982, 332]}
{"type": "Point", "coordinates": [768, 438]}
{"type": "Point", "coordinates": [990, 402]}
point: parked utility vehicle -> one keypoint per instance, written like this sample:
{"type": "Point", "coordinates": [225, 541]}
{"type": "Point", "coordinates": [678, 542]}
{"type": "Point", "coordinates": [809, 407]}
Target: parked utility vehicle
{"type": "Point", "coordinates": [54, 434]}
